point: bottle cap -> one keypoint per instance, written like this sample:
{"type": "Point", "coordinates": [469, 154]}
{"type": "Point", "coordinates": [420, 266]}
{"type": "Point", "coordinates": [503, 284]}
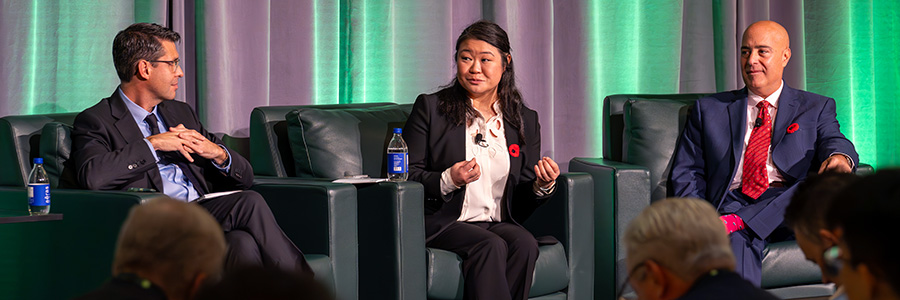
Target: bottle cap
{"type": "Point", "coordinates": [38, 160]}
{"type": "Point", "coordinates": [398, 130]}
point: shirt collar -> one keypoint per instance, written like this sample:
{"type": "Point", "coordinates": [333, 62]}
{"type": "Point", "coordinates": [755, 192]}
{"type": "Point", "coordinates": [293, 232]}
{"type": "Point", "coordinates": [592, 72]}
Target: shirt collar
{"type": "Point", "coordinates": [495, 106]}
{"type": "Point", "coordinates": [137, 112]}
{"type": "Point", "coordinates": [753, 99]}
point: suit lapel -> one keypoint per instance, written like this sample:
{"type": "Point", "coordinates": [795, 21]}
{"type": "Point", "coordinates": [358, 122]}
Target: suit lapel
{"type": "Point", "coordinates": [458, 150]}
{"type": "Point", "coordinates": [787, 108]}
{"type": "Point", "coordinates": [126, 125]}
{"type": "Point", "coordinates": [130, 132]}
{"type": "Point", "coordinates": [737, 116]}
{"type": "Point", "coordinates": [512, 142]}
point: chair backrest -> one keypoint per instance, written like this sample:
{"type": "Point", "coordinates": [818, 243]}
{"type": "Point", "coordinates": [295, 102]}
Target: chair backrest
{"type": "Point", "coordinates": [20, 138]}
{"type": "Point", "coordinates": [56, 148]}
{"type": "Point", "coordinates": [271, 134]}
{"type": "Point", "coordinates": [614, 118]}
{"type": "Point", "coordinates": [270, 150]}
{"type": "Point", "coordinates": [643, 130]}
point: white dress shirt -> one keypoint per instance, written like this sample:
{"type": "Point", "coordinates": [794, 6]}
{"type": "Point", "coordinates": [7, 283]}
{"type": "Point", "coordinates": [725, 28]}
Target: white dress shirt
{"type": "Point", "coordinates": [752, 112]}
{"type": "Point", "coordinates": [483, 196]}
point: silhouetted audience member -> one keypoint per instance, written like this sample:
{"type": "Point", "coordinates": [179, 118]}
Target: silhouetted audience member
{"type": "Point", "coordinates": [679, 249]}
{"type": "Point", "coordinates": [166, 250]}
{"type": "Point", "coordinates": [255, 282]}
{"type": "Point", "coordinates": [806, 216]}
{"type": "Point", "coordinates": [864, 218]}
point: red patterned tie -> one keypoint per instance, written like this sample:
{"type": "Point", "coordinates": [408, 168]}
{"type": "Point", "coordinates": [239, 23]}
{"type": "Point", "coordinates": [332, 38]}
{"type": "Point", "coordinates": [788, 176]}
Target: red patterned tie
{"type": "Point", "coordinates": [755, 178]}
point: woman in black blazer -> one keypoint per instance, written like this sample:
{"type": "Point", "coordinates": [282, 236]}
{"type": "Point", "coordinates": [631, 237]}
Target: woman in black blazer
{"type": "Point", "coordinates": [476, 149]}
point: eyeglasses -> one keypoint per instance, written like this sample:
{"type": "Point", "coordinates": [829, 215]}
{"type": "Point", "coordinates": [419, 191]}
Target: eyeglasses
{"type": "Point", "coordinates": [628, 278]}
{"type": "Point", "coordinates": [172, 63]}
{"type": "Point", "coordinates": [831, 258]}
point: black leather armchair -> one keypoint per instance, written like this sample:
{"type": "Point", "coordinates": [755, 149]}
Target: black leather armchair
{"type": "Point", "coordinates": [330, 141]}
{"type": "Point", "coordinates": [639, 137]}
{"type": "Point", "coordinates": [320, 221]}
{"type": "Point", "coordinates": [76, 253]}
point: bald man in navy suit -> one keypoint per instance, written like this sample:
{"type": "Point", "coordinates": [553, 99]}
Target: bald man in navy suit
{"type": "Point", "coordinates": [746, 150]}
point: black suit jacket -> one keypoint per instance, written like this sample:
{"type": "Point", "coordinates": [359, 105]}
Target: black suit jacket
{"type": "Point", "coordinates": [109, 151]}
{"type": "Point", "coordinates": [725, 285]}
{"type": "Point", "coordinates": [117, 288]}
{"type": "Point", "coordinates": [435, 144]}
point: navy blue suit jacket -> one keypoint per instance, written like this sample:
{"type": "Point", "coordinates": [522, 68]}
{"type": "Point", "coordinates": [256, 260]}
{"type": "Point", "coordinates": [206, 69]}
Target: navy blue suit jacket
{"type": "Point", "coordinates": [710, 147]}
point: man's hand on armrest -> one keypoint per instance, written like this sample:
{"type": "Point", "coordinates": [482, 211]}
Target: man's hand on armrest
{"type": "Point", "coordinates": [837, 163]}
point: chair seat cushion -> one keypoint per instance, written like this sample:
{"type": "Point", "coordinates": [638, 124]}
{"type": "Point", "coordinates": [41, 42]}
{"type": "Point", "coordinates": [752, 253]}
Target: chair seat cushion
{"type": "Point", "coordinates": [445, 280]}
{"type": "Point", "coordinates": [321, 266]}
{"type": "Point", "coordinates": [333, 143]}
{"type": "Point", "coordinates": [809, 291]}
{"type": "Point", "coordinates": [785, 265]}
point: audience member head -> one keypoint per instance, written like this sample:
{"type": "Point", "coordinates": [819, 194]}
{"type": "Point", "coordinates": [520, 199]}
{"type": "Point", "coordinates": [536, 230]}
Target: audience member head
{"type": "Point", "coordinates": [256, 282]}
{"type": "Point", "coordinates": [484, 69]}
{"type": "Point", "coordinates": [806, 215]}
{"type": "Point", "coordinates": [173, 244]}
{"type": "Point", "coordinates": [864, 217]}
{"type": "Point", "coordinates": [672, 243]}
{"type": "Point", "coordinates": [140, 41]}
{"type": "Point", "coordinates": [765, 51]}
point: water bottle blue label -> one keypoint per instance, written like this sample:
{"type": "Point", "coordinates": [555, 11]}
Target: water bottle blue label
{"type": "Point", "coordinates": [397, 162]}
{"type": "Point", "coordinates": [39, 194]}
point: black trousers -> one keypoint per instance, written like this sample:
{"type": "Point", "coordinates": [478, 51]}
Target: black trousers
{"type": "Point", "coordinates": [494, 255]}
{"type": "Point", "coordinates": [252, 235]}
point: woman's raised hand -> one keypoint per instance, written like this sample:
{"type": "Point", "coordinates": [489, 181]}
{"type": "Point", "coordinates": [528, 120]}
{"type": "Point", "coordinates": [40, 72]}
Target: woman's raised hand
{"type": "Point", "coordinates": [546, 170]}
{"type": "Point", "coordinates": [464, 172]}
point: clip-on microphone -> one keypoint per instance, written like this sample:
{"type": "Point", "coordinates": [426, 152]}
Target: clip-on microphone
{"type": "Point", "coordinates": [479, 140]}
{"type": "Point", "coordinates": [758, 122]}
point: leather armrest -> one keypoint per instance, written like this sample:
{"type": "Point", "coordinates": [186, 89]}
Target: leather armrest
{"type": "Point", "coordinates": [864, 169]}
{"type": "Point", "coordinates": [82, 244]}
{"type": "Point", "coordinates": [392, 240]}
{"type": "Point", "coordinates": [568, 216]}
{"type": "Point", "coordinates": [621, 192]}
{"type": "Point", "coordinates": [320, 217]}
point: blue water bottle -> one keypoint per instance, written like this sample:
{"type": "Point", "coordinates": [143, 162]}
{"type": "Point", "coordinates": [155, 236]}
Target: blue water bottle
{"type": "Point", "coordinates": [397, 157]}
{"type": "Point", "coordinates": [38, 189]}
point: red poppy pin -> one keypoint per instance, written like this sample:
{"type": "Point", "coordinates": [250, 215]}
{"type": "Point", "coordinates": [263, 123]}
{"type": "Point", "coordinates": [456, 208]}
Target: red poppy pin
{"type": "Point", "coordinates": [514, 150]}
{"type": "Point", "coordinates": [793, 128]}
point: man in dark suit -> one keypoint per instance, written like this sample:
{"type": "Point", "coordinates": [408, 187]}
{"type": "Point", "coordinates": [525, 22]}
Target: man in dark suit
{"type": "Point", "coordinates": [185, 234]}
{"type": "Point", "coordinates": [139, 138]}
{"type": "Point", "coordinates": [745, 151]}
{"type": "Point", "coordinates": [678, 249]}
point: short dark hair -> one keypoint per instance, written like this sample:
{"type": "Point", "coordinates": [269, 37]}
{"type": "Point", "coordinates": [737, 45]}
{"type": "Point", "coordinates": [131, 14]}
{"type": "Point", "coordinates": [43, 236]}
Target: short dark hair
{"type": "Point", "coordinates": [139, 41]}
{"type": "Point", "coordinates": [806, 212]}
{"type": "Point", "coordinates": [866, 210]}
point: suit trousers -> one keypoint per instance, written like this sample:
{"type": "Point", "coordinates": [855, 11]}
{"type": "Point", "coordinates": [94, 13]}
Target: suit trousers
{"type": "Point", "coordinates": [252, 234]}
{"type": "Point", "coordinates": [748, 246]}
{"type": "Point", "coordinates": [495, 254]}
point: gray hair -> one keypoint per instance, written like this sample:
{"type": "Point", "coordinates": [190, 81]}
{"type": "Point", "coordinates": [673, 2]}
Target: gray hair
{"type": "Point", "coordinates": [684, 235]}
{"type": "Point", "coordinates": [171, 239]}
